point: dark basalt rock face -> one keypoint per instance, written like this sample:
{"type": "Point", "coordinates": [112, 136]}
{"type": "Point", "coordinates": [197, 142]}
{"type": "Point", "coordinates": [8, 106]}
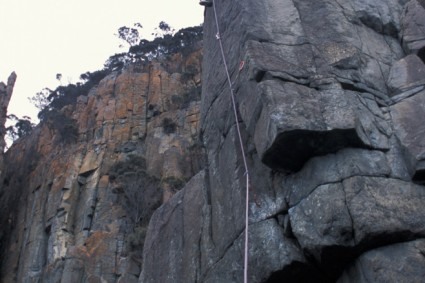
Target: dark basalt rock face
{"type": "Point", "coordinates": [330, 99]}
{"type": "Point", "coordinates": [410, 264]}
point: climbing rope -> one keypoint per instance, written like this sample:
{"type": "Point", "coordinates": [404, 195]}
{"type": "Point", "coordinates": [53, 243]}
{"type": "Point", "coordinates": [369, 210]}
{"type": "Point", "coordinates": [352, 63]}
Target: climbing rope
{"type": "Point", "coordinates": [232, 95]}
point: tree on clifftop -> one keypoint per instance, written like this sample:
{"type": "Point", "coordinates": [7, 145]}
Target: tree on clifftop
{"type": "Point", "coordinates": [130, 35]}
{"type": "Point", "coordinates": [41, 99]}
{"type": "Point", "coordinates": [141, 51]}
{"type": "Point", "coordinates": [22, 127]}
{"type": "Point", "coordinates": [163, 30]}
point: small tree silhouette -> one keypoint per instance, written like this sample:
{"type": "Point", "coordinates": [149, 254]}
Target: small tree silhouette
{"type": "Point", "coordinates": [22, 127]}
{"type": "Point", "coordinates": [130, 35]}
{"type": "Point", "coordinates": [168, 126]}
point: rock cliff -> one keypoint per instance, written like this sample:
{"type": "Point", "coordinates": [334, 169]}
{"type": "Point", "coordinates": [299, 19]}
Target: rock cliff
{"type": "Point", "coordinates": [330, 98]}
{"type": "Point", "coordinates": [79, 191]}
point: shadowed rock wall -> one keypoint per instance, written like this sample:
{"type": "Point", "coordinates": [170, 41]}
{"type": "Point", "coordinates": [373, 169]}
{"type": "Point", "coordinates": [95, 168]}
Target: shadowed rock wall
{"type": "Point", "coordinates": [331, 103]}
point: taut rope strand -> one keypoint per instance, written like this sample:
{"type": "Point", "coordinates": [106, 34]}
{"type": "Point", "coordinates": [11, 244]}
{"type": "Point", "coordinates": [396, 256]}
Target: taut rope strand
{"type": "Point", "coordinates": [218, 36]}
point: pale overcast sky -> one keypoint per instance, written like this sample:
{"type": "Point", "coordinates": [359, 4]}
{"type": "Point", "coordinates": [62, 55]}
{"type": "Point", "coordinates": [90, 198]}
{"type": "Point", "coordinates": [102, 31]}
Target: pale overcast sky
{"type": "Point", "coordinates": [40, 38]}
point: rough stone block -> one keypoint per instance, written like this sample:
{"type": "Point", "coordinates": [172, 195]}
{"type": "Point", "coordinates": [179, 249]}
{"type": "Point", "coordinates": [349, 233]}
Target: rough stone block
{"type": "Point", "coordinates": [406, 74]}
{"type": "Point", "coordinates": [180, 220]}
{"type": "Point", "coordinates": [403, 262]}
{"type": "Point", "coordinates": [297, 123]}
{"type": "Point", "coordinates": [91, 162]}
{"type": "Point", "coordinates": [334, 168]}
{"type": "Point", "coordinates": [412, 27]}
{"type": "Point", "coordinates": [339, 220]}
{"type": "Point", "coordinates": [271, 256]}
{"type": "Point", "coordinates": [407, 116]}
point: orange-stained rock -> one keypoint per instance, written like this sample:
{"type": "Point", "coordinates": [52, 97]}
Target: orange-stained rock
{"type": "Point", "coordinates": [109, 111]}
{"type": "Point", "coordinates": [104, 182]}
{"type": "Point", "coordinates": [91, 162]}
{"type": "Point", "coordinates": [70, 211]}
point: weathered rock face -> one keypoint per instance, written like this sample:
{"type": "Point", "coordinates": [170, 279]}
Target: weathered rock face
{"type": "Point", "coordinates": [78, 193]}
{"type": "Point", "coordinates": [330, 97]}
{"type": "Point", "coordinates": [5, 95]}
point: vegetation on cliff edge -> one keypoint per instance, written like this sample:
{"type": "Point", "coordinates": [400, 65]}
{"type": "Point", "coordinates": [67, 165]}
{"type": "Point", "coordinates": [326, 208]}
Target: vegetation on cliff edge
{"type": "Point", "coordinates": [140, 52]}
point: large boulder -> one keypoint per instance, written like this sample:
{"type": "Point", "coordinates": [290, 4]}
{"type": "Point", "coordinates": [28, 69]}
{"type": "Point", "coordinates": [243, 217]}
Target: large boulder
{"type": "Point", "coordinates": [403, 262]}
{"type": "Point", "coordinates": [407, 116]}
{"type": "Point", "coordinates": [341, 220]}
{"type": "Point", "coordinates": [407, 74]}
{"type": "Point", "coordinates": [297, 123]}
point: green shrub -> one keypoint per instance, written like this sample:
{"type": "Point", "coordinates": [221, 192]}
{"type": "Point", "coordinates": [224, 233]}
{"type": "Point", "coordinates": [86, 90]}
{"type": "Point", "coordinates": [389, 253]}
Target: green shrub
{"type": "Point", "coordinates": [174, 183]}
{"type": "Point", "coordinates": [141, 193]}
{"type": "Point", "coordinates": [133, 164]}
{"type": "Point", "coordinates": [183, 41]}
{"type": "Point", "coordinates": [137, 238]}
{"type": "Point", "coordinates": [65, 127]}
{"type": "Point", "coordinates": [184, 100]}
{"type": "Point", "coordinates": [67, 95]}
{"type": "Point", "coordinates": [168, 126]}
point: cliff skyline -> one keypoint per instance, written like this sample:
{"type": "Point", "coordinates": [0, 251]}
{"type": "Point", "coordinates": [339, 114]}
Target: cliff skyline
{"type": "Point", "coordinates": [46, 38]}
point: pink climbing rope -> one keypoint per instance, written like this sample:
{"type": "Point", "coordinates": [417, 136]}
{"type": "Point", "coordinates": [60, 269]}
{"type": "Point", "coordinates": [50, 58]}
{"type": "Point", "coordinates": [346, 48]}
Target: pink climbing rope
{"type": "Point", "coordinates": [240, 142]}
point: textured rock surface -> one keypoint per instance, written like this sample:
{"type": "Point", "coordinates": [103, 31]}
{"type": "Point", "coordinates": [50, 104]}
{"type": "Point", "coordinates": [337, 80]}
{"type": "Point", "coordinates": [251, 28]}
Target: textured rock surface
{"type": "Point", "coordinates": [72, 209]}
{"type": "Point", "coordinates": [407, 115]}
{"type": "Point", "coordinates": [413, 24]}
{"type": "Point", "coordinates": [361, 212]}
{"type": "Point", "coordinates": [407, 74]}
{"type": "Point", "coordinates": [329, 96]}
{"type": "Point", "coordinates": [396, 263]}
{"type": "Point", "coordinates": [180, 259]}
{"type": "Point", "coordinates": [330, 103]}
